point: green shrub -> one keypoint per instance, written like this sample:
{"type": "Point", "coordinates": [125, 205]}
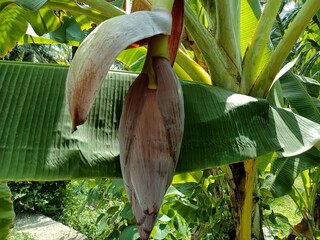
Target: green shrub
{"type": "Point", "coordinates": [190, 210]}
{"type": "Point", "coordinates": [41, 197]}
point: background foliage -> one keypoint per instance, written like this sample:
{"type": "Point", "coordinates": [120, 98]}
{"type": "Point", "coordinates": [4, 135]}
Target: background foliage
{"type": "Point", "coordinates": [43, 197]}
{"type": "Point", "coordinates": [200, 207]}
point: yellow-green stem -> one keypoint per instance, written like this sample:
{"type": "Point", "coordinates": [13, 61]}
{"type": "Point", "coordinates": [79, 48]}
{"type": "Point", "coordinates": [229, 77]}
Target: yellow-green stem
{"type": "Point", "coordinates": [299, 23]}
{"type": "Point", "coordinates": [227, 74]}
{"type": "Point", "coordinates": [258, 45]}
{"type": "Point", "coordinates": [306, 184]}
{"type": "Point", "coordinates": [164, 4]}
{"type": "Point", "coordinates": [228, 29]}
{"type": "Point", "coordinates": [158, 45]}
{"type": "Point", "coordinates": [314, 192]}
{"type": "Point", "coordinates": [298, 199]}
{"type": "Point", "coordinates": [246, 209]}
{"type": "Point", "coordinates": [193, 69]}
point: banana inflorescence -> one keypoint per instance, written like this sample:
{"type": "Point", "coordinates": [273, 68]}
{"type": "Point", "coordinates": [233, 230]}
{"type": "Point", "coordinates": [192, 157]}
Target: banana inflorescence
{"type": "Point", "coordinates": [152, 121]}
{"type": "Point", "coordinates": [150, 135]}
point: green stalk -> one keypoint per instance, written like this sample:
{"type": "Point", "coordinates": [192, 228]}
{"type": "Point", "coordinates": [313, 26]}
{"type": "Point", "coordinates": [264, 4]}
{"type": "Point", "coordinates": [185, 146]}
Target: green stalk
{"type": "Point", "coordinates": [181, 73]}
{"type": "Point", "coordinates": [246, 209]}
{"type": "Point", "coordinates": [257, 46]}
{"type": "Point", "coordinates": [158, 45]}
{"type": "Point", "coordinates": [164, 4]}
{"type": "Point", "coordinates": [194, 70]}
{"type": "Point", "coordinates": [228, 29]}
{"type": "Point", "coordinates": [305, 186]}
{"type": "Point", "coordinates": [299, 23]}
{"type": "Point", "coordinates": [223, 71]}
{"type": "Point", "coordinates": [314, 192]}
{"type": "Point", "coordinates": [300, 205]}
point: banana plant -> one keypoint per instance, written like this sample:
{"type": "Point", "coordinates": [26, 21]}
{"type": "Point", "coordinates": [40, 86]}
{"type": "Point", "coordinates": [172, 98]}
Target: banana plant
{"type": "Point", "coordinates": [218, 121]}
{"type": "Point", "coordinates": [236, 75]}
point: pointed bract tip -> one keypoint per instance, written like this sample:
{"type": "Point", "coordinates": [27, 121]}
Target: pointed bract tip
{"type": "Point", "coordinates": [77, 119]}
{"type": "Point", "coordinates": [73, 128]}
{"type": "Point", "coordinates": [146, 224]}
{"type": "Point", "coordinates": [144, 235]}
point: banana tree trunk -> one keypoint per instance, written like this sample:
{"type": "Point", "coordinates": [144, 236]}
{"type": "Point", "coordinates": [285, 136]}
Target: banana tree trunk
{"type": "Point", "coordinates": [242, 183]}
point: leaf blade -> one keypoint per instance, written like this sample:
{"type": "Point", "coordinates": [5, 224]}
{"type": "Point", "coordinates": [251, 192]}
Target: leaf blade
{"type": "Point", "coordinates": [36, 143]}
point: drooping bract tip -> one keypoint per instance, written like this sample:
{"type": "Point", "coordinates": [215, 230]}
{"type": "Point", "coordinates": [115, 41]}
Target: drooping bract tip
{"type": "Point", "coordinates": [73, 128]}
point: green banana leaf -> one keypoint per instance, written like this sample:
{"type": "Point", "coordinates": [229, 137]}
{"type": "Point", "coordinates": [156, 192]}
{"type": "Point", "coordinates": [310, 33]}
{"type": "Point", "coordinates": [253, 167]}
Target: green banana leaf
{"type": "Point", "coordinates": [45, 17]}
{"type": "Point", "coordinates": [285, 170]}
{"type": "Point", "coordinates": [69, 32]}
{"type": "Point", "coordinates": [30, 5]}
{"type": "Point", "coordinates": [298, 97]}
{"type": "Point", "coordinates": [11, 31]}
{"type": "Point", "coordinates": [14, 23]}
{"type": "Point", "coordinates": [6, 210]}
{"type": "Point", "coordinates": [220, 128]}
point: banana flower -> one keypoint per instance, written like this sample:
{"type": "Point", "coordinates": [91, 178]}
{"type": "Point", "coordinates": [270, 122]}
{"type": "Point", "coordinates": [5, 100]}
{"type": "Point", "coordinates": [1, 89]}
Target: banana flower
{"type": "Point", "coordinates": [152, 120]}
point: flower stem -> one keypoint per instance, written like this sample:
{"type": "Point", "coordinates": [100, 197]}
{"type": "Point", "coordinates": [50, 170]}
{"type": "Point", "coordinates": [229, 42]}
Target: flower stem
{"type": "Point", "coordinates": [164, 4]}
{"type": "Point", "coordinates": [158, 45]}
